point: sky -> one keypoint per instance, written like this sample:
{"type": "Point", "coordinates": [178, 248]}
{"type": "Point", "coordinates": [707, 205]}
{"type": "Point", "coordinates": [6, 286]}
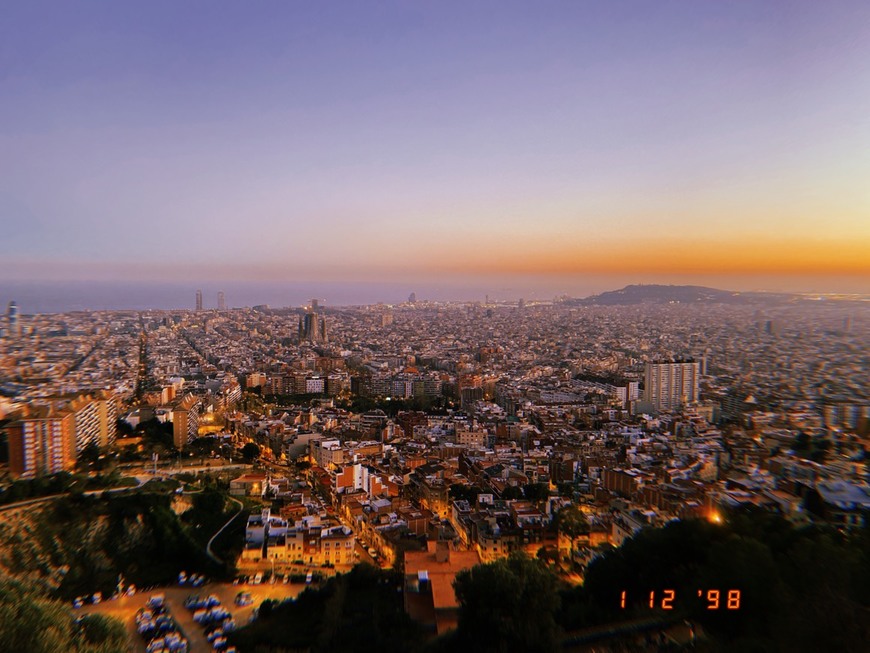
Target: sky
{"type": "Point", "coordinates": [549, 146]}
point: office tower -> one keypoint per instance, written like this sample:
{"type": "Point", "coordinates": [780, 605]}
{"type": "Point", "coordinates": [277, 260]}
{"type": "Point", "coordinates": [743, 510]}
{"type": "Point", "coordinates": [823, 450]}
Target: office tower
{"type": "Point", "coordinates": [412, 298]}
{"type": "Point", "coordinates": [199, 300]}
{"type": "Point", "coordinates": [222, 301]}
{"type": "Point", "coordinates": [42, 443]}
{"type": "Point", "coordinates": [315, 304]}
{"type": "Point", "coordinates": [671, 384]}
{"type": "Point", "coordinates": [14, 325]}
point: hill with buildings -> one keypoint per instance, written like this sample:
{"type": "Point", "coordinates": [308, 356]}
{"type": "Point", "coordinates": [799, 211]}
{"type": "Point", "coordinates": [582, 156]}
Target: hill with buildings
{"type": "Point", "coordinates": [662, 294]}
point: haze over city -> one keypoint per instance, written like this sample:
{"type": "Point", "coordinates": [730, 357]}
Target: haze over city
{"type": "Point", "coordinates": [499, 148]}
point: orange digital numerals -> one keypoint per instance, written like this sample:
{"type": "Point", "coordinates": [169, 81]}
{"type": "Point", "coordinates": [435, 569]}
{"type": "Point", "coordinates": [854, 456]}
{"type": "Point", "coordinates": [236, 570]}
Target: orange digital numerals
{"type": "Point", "coordinates": [713, 597]}
{"type": "Point", "coordinates": [733, 600]}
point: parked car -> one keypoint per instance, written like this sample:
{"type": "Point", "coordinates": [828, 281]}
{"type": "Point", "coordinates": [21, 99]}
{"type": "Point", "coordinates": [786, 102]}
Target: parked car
{"type": "Point", "coordinates": [193, 602]}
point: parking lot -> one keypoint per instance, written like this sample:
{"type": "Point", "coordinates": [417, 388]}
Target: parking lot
{"type": "Point", "coordinates": [125, 607]}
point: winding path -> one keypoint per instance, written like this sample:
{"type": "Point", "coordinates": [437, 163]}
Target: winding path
{"type": "Point", "coordinates": [221, 530]}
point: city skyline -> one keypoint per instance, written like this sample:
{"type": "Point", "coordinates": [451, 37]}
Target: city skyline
{"type": "Point", "coordinates": [572, 150]}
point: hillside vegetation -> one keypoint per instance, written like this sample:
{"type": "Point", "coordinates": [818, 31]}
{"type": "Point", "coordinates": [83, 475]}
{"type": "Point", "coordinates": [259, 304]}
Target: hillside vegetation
{"type": "Point", "coordinates": [32, 622]}
{"type": "Point", "coordinates": [79, 545]}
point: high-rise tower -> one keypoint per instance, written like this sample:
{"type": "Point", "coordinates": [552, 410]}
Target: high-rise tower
{"type": "Point", "coordinates": [671, 384]}
{"type": "Point", "coordinates": [14, 324]}
{"type": "Point", "coordinates": [199, 300]}
{"type": "Point", "coordinates": [222, 302]}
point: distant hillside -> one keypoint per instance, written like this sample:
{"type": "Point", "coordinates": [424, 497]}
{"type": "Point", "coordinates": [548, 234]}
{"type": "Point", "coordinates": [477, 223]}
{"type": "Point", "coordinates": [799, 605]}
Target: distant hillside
{"type": "Point", "coordinates": [659, 294]}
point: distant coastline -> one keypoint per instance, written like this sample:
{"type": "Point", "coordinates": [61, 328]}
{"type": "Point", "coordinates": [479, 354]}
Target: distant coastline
{"type": "Point", "coordinates": [64, 296]}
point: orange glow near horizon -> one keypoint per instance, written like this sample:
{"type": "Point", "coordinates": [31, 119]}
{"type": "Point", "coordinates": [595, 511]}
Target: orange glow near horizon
{"type": "Point", "coordinates": [644, 259]}
{"type": "Point", "coordinates": [668, 256]}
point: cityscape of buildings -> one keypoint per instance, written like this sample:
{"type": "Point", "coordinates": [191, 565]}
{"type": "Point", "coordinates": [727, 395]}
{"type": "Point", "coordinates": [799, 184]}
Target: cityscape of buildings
{"type": "Point", "coordinates": [638, 414]}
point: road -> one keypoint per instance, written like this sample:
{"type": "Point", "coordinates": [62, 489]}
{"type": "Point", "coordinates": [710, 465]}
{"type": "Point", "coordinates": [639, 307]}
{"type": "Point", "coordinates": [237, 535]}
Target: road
{"type": "Point", "coordinates": [51, 497]}
{"type": "Point", "coordinates": [221, 530]}
{"type": "Point", "coordinates": [124, 608]}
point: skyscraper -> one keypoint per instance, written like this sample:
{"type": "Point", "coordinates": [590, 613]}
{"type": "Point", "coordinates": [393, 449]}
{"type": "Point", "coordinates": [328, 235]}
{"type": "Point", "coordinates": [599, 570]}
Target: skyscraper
{"type": "Point", "coordinates": [12, 315]}
{"type": "Point", "coordinates": [671, 384]}
{"type": "Point", "coordinates": [199, 300]}
{"type": "Point", "coordinates": [222, 302]}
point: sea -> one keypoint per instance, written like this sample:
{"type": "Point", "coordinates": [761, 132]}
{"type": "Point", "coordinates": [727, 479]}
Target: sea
{"type": "Point", "coordinates": [35, 297]}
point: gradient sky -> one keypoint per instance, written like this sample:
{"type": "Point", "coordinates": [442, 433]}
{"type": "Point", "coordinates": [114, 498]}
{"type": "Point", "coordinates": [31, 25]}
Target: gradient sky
{"type": "Point", "coordinates": [422, 140]}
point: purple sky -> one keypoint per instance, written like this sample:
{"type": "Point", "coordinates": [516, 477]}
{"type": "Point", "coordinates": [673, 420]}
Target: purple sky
{"type": "Point", "coordinates": [413, 140]}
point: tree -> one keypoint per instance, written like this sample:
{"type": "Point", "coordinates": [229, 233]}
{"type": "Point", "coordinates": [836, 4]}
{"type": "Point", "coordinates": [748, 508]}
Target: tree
{"type": "Point", "coordinates": [508, 605]}
{"type": "Point", "coordinates": [89, 457]}
{"type": "Point", "coordinates": [251, 452]}
{"type": "Point", "coordinates": [204, 446]}
{"type": "Point", "coordinates": [572, 522]}
{"type": "Point", "coordinates": [469, 493]}
{"type": "Point", "coordinates": [801, 444]}
{"type": "Point", "coordinates": [512, 492]}
{"type": "Point", "coordinates": [125, 429]}
{"type": "Point", "coordinates": [209, 501]}
{"type": "Point", "coordinates": [820, 451]}
{"type": "Point", "coordinates": [156, 432]}
{"type": "Point", "coordinates": [32, 622]}
{"type": "Point", "coordinates": [536, 491]}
